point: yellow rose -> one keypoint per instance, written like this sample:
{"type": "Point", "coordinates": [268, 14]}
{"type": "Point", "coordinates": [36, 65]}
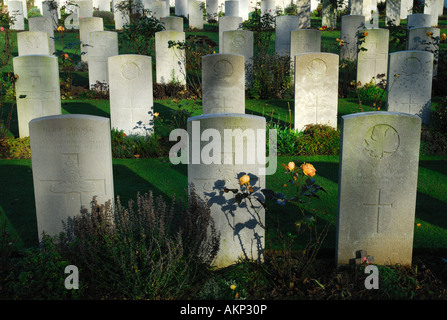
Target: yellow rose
{"type": "Point", "coordinates": [308, 169]}
{"type": "Point", "coordinates": [291, 166]}
{"type": "Point", "coordinates": [244, 179]}
{"type": "Point", "coordinates": [233, 287]}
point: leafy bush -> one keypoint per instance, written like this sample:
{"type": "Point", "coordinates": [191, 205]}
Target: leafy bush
{"type": "Point", "coordinates": [15, 148]}
{"type": "Point", "coordinates": [270, 77]}
{"type": "Point", "coordinates": [315, 139]}
{"type": "Point", "coordinates": [439, 117]}
{"type": "Point", "coordinates": [133, 146]}
{"type": "Point", "coordinates": [145, 251]}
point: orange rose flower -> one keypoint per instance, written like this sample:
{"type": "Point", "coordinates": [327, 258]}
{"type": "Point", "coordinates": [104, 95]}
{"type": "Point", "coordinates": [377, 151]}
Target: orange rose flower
{"type": "Point", "coordinates": [308, 169]}
{"type": "Point", "coordinates": [244, 179]}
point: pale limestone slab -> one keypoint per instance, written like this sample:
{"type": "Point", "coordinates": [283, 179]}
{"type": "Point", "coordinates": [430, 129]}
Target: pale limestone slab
{"type": "Point", "coordinates": [223, 83]}
{"type": "Point", "coordinates": [170, 63]}
{"type": "Point", "coordinates": [409, 83]}
{"type": "Point", "coordinates": [33, 42]}
{"type": "Point", "coordinates": [316, 89]}
{"type": "Point", "coordinates": [131, 94]}
{"type": "Point", "coordinates": [72, 163]}
{"type": "Point", "coordinates": [241, 234]}
{"type": "Point", "coordinates": [37, 89]}
{"type": "Point", "coordinates": [379, 160]}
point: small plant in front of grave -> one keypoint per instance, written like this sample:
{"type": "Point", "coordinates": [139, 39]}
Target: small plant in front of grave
{"type": "Point", "coordinates": [373, 93]}
{"type": "Point", "coordinates": [7, 93]}
{"type": "Point", "coordinates": [263, 27]}
{"type": "Point", "coordinates": [15, 148]}
{"type": "Point", "coordinates": [270, 77]}
{"type": "Point", "coordinates": [139, 36]}
{"type": "Point", "coordinates": [286, 265]}
{"type": "Point", "coordinates": [318, 139]}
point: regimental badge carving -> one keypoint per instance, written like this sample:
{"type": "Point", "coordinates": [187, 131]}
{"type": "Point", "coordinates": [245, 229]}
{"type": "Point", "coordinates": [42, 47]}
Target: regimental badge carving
{"type": "Point", "coordinates": [317, 68]}
{"type": "Point", "coordinates": [412, 66]}
{"type": "Point", "coordinates": [130, 71]}
{"type": "Point", "coordinates": [381, 141]}
{"type": "Point", "coordinates": [223, 69]}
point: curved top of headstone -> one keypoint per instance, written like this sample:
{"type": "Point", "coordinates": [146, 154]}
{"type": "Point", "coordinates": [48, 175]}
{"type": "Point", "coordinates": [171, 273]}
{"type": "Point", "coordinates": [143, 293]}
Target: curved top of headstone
{"type": "Point", "coordinates": [70, 116]}
{"type": "Point", "coordinates": [226, 115]}
{"type": "Point", "coordinates": [378, 113]}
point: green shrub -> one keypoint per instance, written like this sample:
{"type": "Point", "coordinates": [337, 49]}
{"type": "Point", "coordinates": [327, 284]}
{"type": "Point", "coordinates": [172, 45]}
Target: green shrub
{"type": "Point", "coordinates": [134, 146]}
{"type": "Point", "coordinates": [38, 273]}
{"type": "Point", "coordinates": [151, 250]}
{"type": "Point", "coordinates": [315, 139]}
{"type": "Point", "coordinates": [270, 77]}
{"type": "Point", "coordinates": [15, 148]}
{"type": "Point", "coordinates": [439, 117]}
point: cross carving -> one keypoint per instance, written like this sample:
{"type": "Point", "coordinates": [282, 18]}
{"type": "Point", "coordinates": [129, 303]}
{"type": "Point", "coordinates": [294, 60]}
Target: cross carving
{"type": "Point", "coordinates": [380, 206]}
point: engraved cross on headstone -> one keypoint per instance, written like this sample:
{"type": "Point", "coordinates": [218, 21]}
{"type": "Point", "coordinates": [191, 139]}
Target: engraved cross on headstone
{"type": "Point", "coordinates": [380, 208]}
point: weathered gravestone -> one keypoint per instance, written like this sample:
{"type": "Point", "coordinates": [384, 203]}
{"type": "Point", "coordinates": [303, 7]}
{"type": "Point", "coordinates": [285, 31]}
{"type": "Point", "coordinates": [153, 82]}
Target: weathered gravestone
{"type": "Point", "coordinates": [87, 25]}
{"type": "Point", "coordinates": [410, 76]}
{"type": "Point", "coordinates": [102, 45]}
{"type": "Point", "coordinates": [181, 8]}
{"type": "Point", "coordinates": [195, 14]}
{"type": "Point", "coordinates": [223, 83]}
{"type": "Point", "coordinates": [212, 10]}
{"type": "Point", "coordinates": [239, 42]}
{"type": "Point", "coordinates": [51, 10]}
{"type": "Point", "coordinates": [43, 24]}
{"type": "Point", "coordinates": [392, 16]}
{"type": "Point", "coordinates": [242, 151]}
{"type": "Point", "coordinates": [377, 187]}
{"type": "Point", "coordinates": [371, 13]}
{"type": "Point", "coordinates": [15, 9]}
{"type": "Point", "coordinates": [172, 23]}
{"type": "Point", "coordinates": [72, 163]}
{"type": "Point", "coordinates": [121, 17]}
{"type": "Point", "coordinates": [226, 24]}
{"type": "Point", "coordinates": [372, 57]}
{"type": "Point", "coordinates": [303, 13]}
{"type": "Point", "coordinates": [131, 94]}
{"type": "Point", "coordinates": [232, 8]}
{"type": "Point", "coordinates": [329, 14]}
{"type": "Point", "coordinates": [37, 89]}
{"type": "Point", "coordinates": [418, 20]}
{"type": "Point", "coordinates": [350, 26]}
{"type": "Point", "coordinates": [284, 25]}
{"type": "Point", "coordinates": [425, 39]}
{"type": "Point", "coordinates": [33, 42]}
{"type": "Point", "coordinates": [304, 41]}
{"type": "Point", "coordinates": [170, 64]}
{"type": "Point", "coordinates": [316, 89]}
{"type": "Point", "coordinates": [431, 7]}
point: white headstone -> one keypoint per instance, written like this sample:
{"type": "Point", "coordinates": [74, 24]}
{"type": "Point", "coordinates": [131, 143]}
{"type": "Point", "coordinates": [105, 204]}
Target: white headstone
{"type": "Point", "coordinates": [239, 42]}
{"type": "Point", "coordinates": [284, 25]}
{"type": "Point", "coordinates": [49, 11]}
{"type": "Point", "coordinates": [350, 26]}
{"type": "Point", "coordinates": [393, 8]}
{"type": "Point", "coordinates": [15, 9]}
{"type": "Point", "coordinates": [195, 14]}
{"type": "Point", "coordinates": [418, 20]}
{"type": "Point", "coordinates": [172, 23]}
{"type": "Point", "coordinates": [33, 42]}
{"type": "Point", "coordinates": [181, 8]}
{"type": "Point", "coordinates": [120, 16]}
{"type": "Point", "coordinates": [304, 41]}
{"type": "Point", "coordinates": [85, 8]}
{"type": "Point", "coordinates": [87, 25]}
{"type": "Point", "coordinates": [102, 45]}
{"type": "Point", "coordinates": [410, 76]}
{"type": "Point", "coordinates": [72, 163]}
{"type": "Point", "coordinates": [329, 14]}
{"type": "Point", "coordinates": [212, 10]}
{"type": "Point", "coordinates": [223, 83]}
{"type": "Point", "coordinates": [170, 64]}
{"type": "Point", "coordinates": [227, 24]}
{"type": "Point", "coordinates": [131, 94]}
{"type": "Point", "coordinates": [37, 89]}
{"type": "Point", "coordinates": [303, 14]}
{"type": "Point", "coordinates": [379, 158]}
{"type": "Point", "coordinates": [425, 39]}
{"type": "Point", "coordinates": [373, 61]}
{"type": "Point", "coordinates": [431, 7]}
{"type": "Point", "coordinates": [43, 24]}
{"type": "Point", "coordinates": [316, 89]}
{"type": "Point", "coordinates": [239, 226]}
{"type": "Point", "coordinates": [232, 8]}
